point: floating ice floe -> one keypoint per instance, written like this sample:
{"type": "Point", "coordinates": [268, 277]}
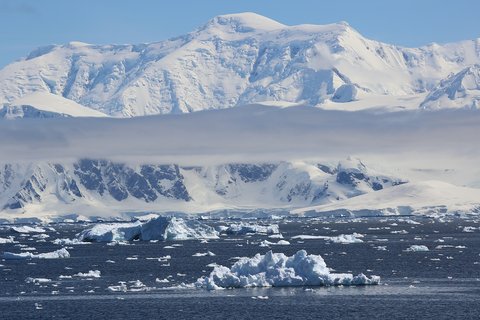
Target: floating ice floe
{"type": "Point", "coordinates": [7, 240]}
{"type": "Point", "coordinates": [58, 254]}
{"type": "Point", "coordinates": [204, 254]}
{"type": "Point", "coordinates": [246, 228]}
{"type": "Point", "coordinates": [27, 229]}
{"type": "Point", "coordinates": [69, 242]}
{"type": "Point", "coordinates": [347, 238]}
{"type": "Point", "coordinates": [417, 248]}
{"type": "Point", "coordinates": [279, 270]}
{"type": "Point", "coordinates": [160, 228]}
{"type": "Point", "coordinates": [343, 238]}
{"type": "Point", "coordinates": [276, 236]}
{"type": "Point", "coordinates": [37, 281]}
{"type": "Point", "coordinates": [129, 286]}
{"type": "Point", "coordinates": [469, 229]}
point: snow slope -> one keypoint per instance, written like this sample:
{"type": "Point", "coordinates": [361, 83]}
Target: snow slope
{"type": "Point", "coordinates": [426, 197]}
{"type": "Point", "coordinates": [46, 105]}
{"type": "Point", "coordinates": [233, 60]}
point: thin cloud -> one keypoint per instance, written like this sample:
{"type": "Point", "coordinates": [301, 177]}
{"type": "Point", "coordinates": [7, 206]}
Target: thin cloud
{"type": "Point", "coordinates": [17, 7]}
{"type": "Point", "coordinates": [248, 134]}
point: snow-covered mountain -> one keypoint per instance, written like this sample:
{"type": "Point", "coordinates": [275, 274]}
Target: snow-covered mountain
{"type": "Point", "coordinates": [238, 59]}
{"type": "Point", "coordinates": [104, 188]}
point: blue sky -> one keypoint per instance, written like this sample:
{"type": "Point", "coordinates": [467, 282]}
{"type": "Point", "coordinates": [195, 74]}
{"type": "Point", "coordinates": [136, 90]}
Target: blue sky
{"type": "Point", "coordinates": [27, 24]}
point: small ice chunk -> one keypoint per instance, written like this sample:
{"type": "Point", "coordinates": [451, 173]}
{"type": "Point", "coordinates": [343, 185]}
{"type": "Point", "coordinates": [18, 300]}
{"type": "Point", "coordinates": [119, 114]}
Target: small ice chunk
{"type": "Point", "coordinates": [309, 237]}
{"type": "Point", "coordinates": [58, 254]}
{"type": "Point", "coordinates": [122, 287]}
{"type": "Point", "coordinates": [347, 238]}
{"type": "Point", "coordinates": [27, 229]}
{"type": "Point", "coordinates": [246, 228]}
{"type": "Point", "coordinates": [204, 254]}
{"type": "Point", "coordinates": [399, 232]}
{"type": "Point", "coordinates": [276, 236]}
{"type": "Point", "coordinates": [417, 248]}
{"type": "Point", "coordinates": [162, 280]}
{"type": "Point", "coordinates": [69, 242]}
{"type": "Point", "coordinates": [266, 243]}
{"type": "Point", "coordinates": [7, 240]}
{"type": "Point", "coordinates": [89, 274]}
{"type": "Point", "coordinates": [37, 281]}
{"type": "Point", "coordinates": [342, 238]}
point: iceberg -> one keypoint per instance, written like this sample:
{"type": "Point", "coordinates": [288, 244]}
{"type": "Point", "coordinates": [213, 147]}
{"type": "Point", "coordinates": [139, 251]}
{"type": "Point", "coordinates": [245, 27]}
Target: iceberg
{"type": "Point", "coordinates": [58, 254]}
{"type": "Point", "coordinates": [246, 228]}
{"type": "Point", "coordinates": [279, 270]}
{"type": "Point", "coordinates": [160, 228]}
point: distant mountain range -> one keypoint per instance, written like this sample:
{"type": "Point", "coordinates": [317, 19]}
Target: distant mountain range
{"type": "Point", "coordinates": [107, 189]}
{"type": "Point", "coordinates": [241, 59]}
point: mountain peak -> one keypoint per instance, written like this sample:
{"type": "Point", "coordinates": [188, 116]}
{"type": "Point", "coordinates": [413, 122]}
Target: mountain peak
{"type": "Point", "coordinates": [243, 22]}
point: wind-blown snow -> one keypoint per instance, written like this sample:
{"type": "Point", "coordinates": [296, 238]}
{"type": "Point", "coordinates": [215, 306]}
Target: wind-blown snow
{"type": "Point", "coordinates": [58, 254]}
{"type": "Point", "coordinates": [279, 270]}
{"type": "Point", "coordinates": [160, 228]}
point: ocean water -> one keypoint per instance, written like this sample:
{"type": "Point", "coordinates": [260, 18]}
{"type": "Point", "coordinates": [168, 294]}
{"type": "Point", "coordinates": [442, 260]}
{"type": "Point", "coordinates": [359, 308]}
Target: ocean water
{"type": "Point", "coordinates": [443, 283]}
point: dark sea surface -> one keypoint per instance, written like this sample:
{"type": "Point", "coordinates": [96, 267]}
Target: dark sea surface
{"type": "Point", "coordinates": [443, 283]}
